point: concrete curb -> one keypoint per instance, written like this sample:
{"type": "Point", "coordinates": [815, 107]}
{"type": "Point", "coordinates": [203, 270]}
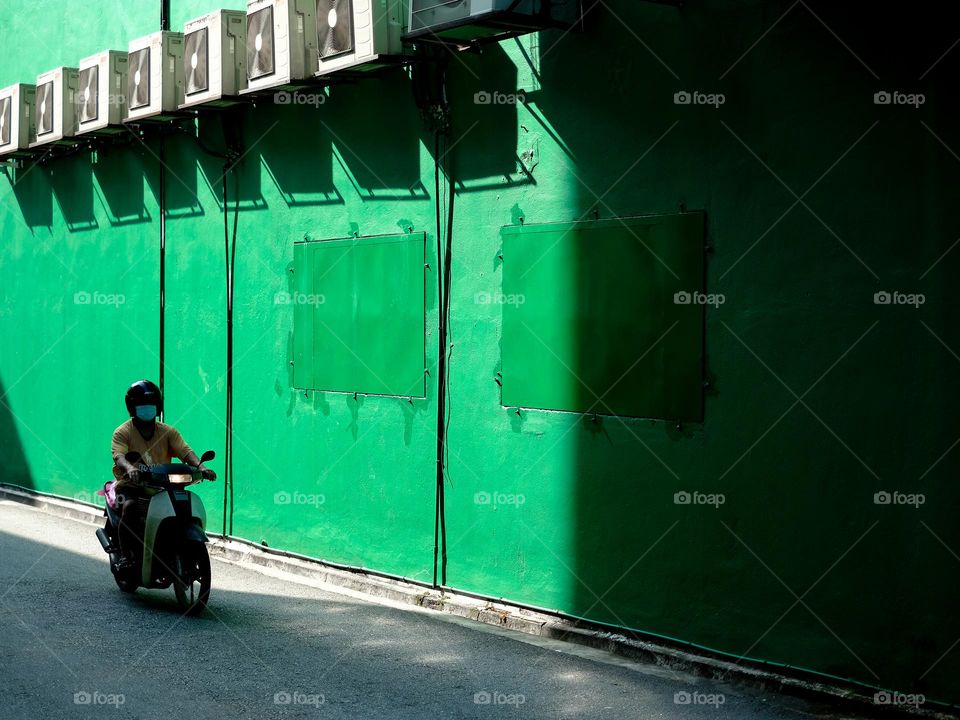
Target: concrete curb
{"type": "Point", "coordinates": [504, 615]}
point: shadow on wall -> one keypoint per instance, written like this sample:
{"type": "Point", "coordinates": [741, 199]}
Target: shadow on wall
{"type": "Point", "coordinates": [799, 496]}
{"type": "Point", "coordinates": [14, 469]}
{"type": "Point", "coordinates": [31, 188]}
{"type": "Point", "coordinates": [179, 154]}
{"type": "Point", "coordinates": [120, 186]}
{"type": "Point", "coordinates": [218, 131]}
{"type": "Point", "coordinates": [375, 137]}
{"type": "Point", "coordinates": [71, 179]}
{"type": "Point", "coordinates": [295, 149]}
{"type": "Point", "coordinates": [489, 83]}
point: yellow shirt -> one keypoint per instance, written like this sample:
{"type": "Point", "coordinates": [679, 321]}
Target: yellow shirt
{"type": "Point", "coordinates": [166, 444]}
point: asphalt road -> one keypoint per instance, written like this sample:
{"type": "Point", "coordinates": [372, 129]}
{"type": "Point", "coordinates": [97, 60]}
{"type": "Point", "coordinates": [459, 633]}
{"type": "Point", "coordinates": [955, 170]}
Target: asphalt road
{"type": "Point", "coordinates": [73, 646]}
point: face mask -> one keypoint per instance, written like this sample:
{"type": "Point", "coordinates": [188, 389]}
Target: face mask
{"type": "Point", "coordinates": [146, 412]}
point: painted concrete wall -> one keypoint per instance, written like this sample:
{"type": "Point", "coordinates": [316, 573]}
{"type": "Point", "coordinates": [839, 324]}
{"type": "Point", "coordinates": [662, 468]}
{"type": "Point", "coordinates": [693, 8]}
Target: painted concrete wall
{"type": "Point", "coordinates": [818, 398]}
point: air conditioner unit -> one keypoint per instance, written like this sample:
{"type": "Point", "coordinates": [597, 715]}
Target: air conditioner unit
{"type": "Point", "coordinates": [281, 42]}
{"type": "Point", "coordinates": [56, 106]}
{"type": "Point", "coordinates": [16, 119]}
{"type": "Point", "coordinates": [359, 34]}
{"type": "Point", "coordinates": [214, 58]}
{"type": "Point", "coordinates": [101, 100]}
{"type": "Point", "coordinates": [154, 75]}
{"type": "Point", "coordinates": [468, 21]}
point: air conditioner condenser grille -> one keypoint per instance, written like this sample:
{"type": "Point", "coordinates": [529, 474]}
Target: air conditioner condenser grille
{"type": "Point", "coordinates": [6, 117]}
{"type": "Point", "coordinates": [260, 59]}
{"type": "Point", "coordinates": [138, 78]}
{"type": "Point", "coordinates": [45, 108]}
{"type": "Point", "coordinates": [89, 93]}
{"type": "Point", "coordinates": [334, 27]}
{"type": "Point", "coordinates": [196, 61]}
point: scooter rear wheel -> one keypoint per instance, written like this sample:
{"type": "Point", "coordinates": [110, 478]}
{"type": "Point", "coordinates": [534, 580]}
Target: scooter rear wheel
{"type": "Point", "coordinates": [124, 578]}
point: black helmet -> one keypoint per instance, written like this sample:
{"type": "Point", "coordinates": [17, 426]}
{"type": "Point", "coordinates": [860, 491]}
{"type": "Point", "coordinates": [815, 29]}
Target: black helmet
{"type": "Point", "coordinates": [143, 392]}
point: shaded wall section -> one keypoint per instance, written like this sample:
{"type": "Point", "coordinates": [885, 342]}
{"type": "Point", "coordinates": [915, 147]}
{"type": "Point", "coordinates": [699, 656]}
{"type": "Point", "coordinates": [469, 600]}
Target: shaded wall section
{"type": "Point", "coordinates": [816, 397]}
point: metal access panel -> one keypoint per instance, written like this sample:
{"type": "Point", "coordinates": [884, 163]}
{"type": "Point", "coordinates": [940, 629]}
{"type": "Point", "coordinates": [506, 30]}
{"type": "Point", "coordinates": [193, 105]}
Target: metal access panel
{"type": "Point", "coordinates": [358, 307]}
{"type": "Point", "coordinates": [605, 317]}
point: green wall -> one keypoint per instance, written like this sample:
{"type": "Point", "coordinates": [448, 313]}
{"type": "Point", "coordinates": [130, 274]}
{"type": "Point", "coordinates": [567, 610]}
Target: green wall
{"type": "Point", "coordinates": [598, 534]}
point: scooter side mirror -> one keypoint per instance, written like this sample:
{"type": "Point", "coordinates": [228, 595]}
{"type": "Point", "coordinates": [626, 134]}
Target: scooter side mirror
{"type": "Point", "coordinates": [208, 456]}
{"type": "Point", "coordinates": [132, 457]}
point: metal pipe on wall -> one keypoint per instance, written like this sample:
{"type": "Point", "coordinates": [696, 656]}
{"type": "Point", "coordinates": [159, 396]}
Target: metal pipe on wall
{"type": "Point", "coordinates": [164, 25]}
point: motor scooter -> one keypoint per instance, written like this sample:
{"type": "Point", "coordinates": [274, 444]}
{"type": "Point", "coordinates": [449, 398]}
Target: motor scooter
{"type": "Point", "coordinates": [173, 550]}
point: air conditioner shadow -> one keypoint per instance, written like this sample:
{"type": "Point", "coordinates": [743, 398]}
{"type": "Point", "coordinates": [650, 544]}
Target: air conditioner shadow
{"type": "Point", "coordinates": [375, 130]}
{"type": "Point", "coordinates": [119, 187]}
{"type": "Point", "coordinates": [180, 187]}
{"type": "Point", "coordinates": [71, 179]}
{"type": "Point", "coordinates": [484, 93]}
{"type": "Point", "coordinates": [295, 150]}
{"type": "Point", "coordinates": [234, 128]}
{"type": "Point", "coordinates": [31, 189]}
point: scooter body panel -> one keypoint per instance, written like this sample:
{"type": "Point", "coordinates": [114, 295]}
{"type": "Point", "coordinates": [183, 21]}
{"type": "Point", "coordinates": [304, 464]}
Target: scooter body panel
{"type": "Point", "coordinates": [161, 508]}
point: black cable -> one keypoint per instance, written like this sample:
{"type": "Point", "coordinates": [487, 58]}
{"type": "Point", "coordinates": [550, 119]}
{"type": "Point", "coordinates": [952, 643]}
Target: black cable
{"type": "Point", "coordinates": [201, 145]}
{"type": "Point", "coordinates": [164, 25]}
{"type": "Point", "coordinates": [163, 263]}
{"type": "Point", "coordinates": [439, 482]}
{"type": "Point", "coordinates": [233, 267]}
{"type": "Point", "coordinates": [447, 343]}
{"type": "Point", "coordinates": [230, 259]}
{"type": "Point", "coordinates": [230, 157]}
{"type": "Point", "coordinates": [227, 436]}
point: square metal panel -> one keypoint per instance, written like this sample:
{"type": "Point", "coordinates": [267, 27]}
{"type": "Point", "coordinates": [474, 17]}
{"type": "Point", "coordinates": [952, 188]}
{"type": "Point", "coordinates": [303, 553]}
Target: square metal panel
{"type": "Point", "coordinates": [605, 316]}
{"type": "Point", "coordinates": [358, 308]}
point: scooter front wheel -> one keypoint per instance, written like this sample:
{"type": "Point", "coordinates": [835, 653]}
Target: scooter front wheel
{"type": "Point", "coordinates": [192, 578]}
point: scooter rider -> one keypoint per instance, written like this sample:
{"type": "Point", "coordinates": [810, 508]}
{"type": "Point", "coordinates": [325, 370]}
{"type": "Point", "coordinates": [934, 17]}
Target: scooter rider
{"type": "Point", "coordinates": [157, 443]}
